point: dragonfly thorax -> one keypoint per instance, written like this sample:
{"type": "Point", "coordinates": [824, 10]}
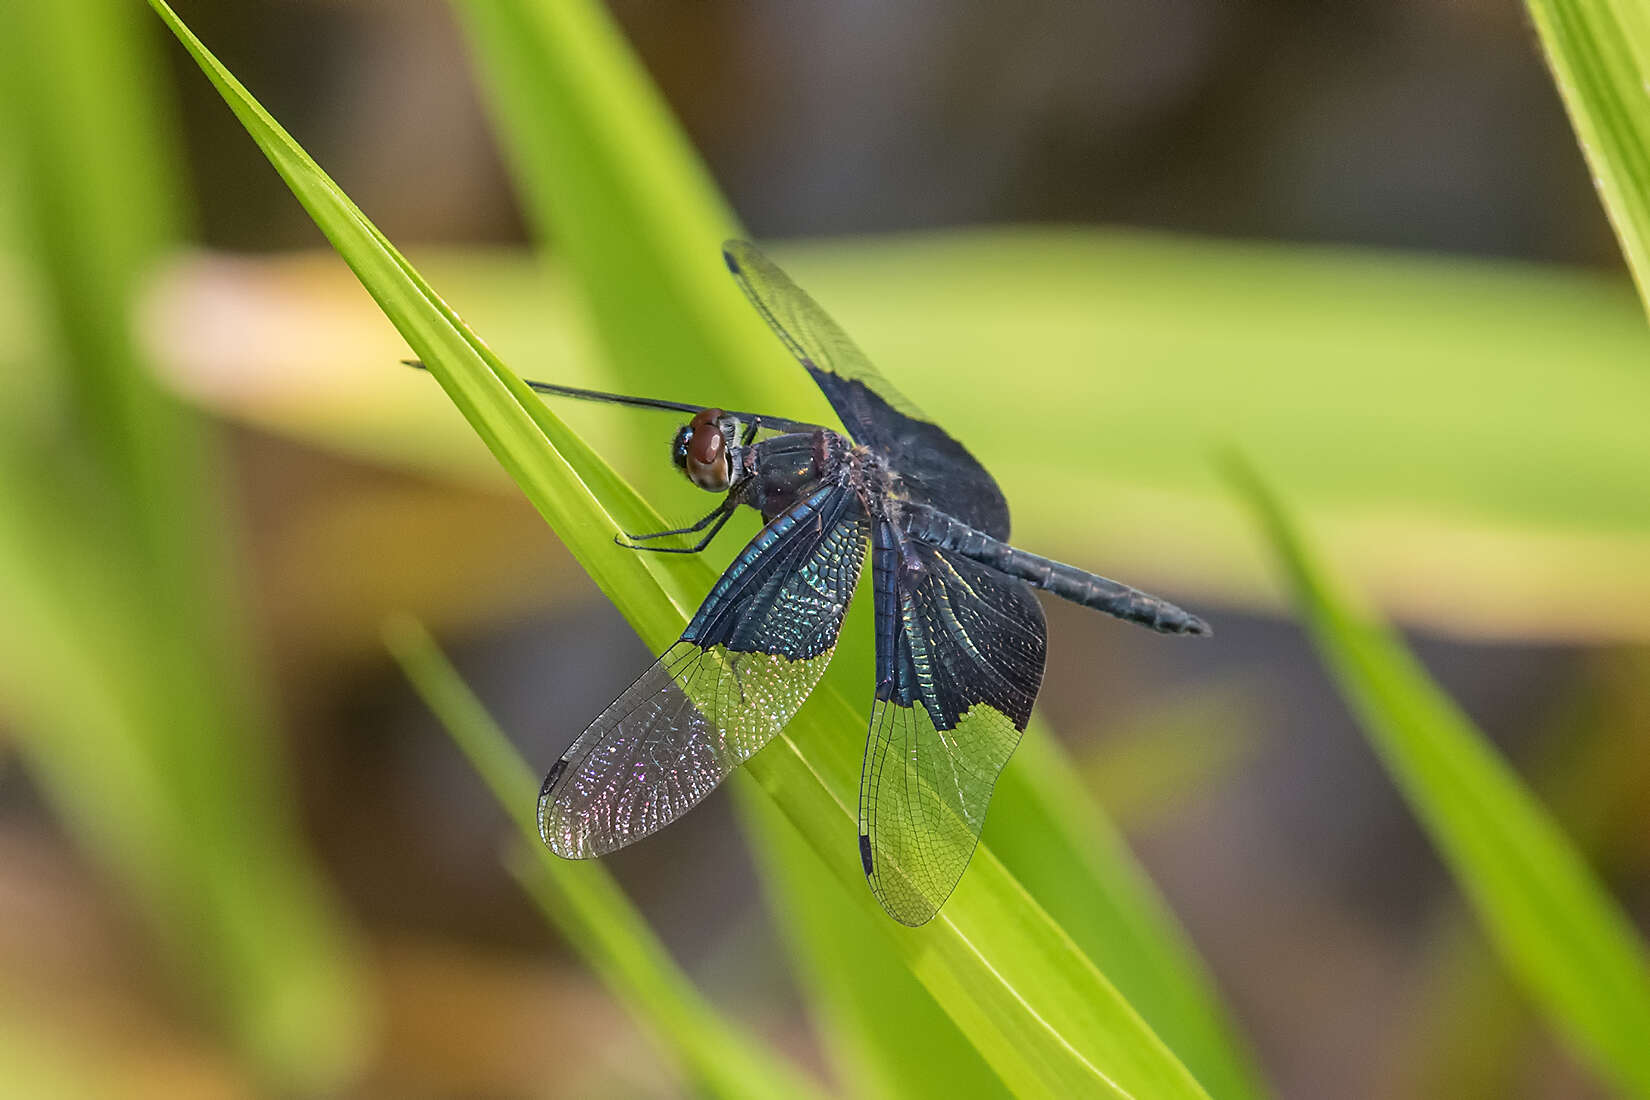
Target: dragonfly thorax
{"type": "Point", "coordinates": [786, 468]}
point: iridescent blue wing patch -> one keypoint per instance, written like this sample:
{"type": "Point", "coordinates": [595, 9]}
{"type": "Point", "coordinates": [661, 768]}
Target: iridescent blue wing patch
{"type": "Point", "coordinates": [933, 467]}
{"type": "Point", "coordinates": [753, 652]}
{"type": "Point", "coordinates": [960, 654]}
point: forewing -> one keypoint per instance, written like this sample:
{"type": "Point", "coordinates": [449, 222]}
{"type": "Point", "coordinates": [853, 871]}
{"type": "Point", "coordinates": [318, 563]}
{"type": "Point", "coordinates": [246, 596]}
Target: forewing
{"type": "Point", "coordinates": [960, 654]}
{"type": "Point", "coordinates": [935, 468]}
{"type": "Point", "coordinates": [753, 652]}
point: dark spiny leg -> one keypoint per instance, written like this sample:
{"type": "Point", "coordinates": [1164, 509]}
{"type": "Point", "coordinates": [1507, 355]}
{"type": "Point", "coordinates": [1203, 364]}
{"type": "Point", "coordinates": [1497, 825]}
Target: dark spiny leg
{"type": "Point", "coordinates": [720, 517]}
{"type": "Point", "coordinates": [720, 511]}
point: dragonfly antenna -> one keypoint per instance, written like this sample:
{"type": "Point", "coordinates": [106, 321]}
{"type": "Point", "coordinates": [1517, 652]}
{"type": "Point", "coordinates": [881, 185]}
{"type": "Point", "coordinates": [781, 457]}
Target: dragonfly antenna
{"type": "Point", "coordinates": [593, 395]}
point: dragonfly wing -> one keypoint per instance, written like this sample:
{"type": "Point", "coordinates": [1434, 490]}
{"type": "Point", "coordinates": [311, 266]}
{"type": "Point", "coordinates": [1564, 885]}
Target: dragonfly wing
{"type": "Point", "coordinates": [960, 654]}
{"type": "Point", "coordinates": [935, 468]}
{"type": "Point", "coordinates": [753, 652]}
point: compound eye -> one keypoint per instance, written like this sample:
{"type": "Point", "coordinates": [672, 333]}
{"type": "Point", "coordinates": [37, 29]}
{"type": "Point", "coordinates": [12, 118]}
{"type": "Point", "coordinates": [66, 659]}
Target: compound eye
{"type": "Point", "coordinates": [708, 445]}
{"type": "Point", "coordinates": [706, 460]}
{"type": "Point", "coordinates": [713, 473]}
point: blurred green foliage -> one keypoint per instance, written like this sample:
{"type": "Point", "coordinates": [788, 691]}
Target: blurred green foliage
{"type": "Point", "coordinates": [122, 658]}
{"type": "Point", "coordinates": [1553, 922]}
{"type": "Point", "coordinates": [583, 901]}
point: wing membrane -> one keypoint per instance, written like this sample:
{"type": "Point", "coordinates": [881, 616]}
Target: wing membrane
{"type": "Point", "coordinates": [960, 654]}
{"type": "Point", "coordinates": [754, 651]}
{"type": "Point", "coordinates": [934, 467]}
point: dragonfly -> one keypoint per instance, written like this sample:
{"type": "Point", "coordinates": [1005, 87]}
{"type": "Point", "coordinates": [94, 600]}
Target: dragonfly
{"type": "Point", "coordinates": [960, 638]}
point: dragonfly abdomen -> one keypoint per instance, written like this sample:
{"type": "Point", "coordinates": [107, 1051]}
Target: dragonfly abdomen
{"type": "Point", "coordinates": [936, 528]}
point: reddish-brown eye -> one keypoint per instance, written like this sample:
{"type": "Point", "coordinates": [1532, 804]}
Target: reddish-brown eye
{"type": "Point", "coordinates": [701, 450]}
{"type": "Point", "coordinates": [707, 445]}
{"type": "Point", "coordinates": [706, 448]}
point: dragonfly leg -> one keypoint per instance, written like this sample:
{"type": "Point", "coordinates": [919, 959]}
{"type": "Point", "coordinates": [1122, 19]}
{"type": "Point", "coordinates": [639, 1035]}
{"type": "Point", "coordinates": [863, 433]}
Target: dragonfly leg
{"type": "Point", "coordinates": [719, 518]}
{"type": "Point", "coordinates": [716, 513]}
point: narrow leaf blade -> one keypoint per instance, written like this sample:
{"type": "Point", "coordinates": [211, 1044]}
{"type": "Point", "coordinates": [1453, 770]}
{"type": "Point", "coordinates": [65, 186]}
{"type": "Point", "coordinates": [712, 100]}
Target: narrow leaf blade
{"type": "Point", "coordinates": [1554, 924]}
{"type": "Point", "coordinates": [584, 902]}
{"type": "Point", "coordinates": [1599, 51]}
{"type": "Point", "coordinates": [888, 1037]}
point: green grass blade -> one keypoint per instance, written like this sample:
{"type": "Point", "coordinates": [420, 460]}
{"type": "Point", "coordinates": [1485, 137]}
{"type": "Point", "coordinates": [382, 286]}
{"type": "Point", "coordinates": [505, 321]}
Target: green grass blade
{"type": "Point", "coordinates": [1599, 51]}
{"type": "Point", "coordinates": [1556, 928]}
{"type": "Point", "coordinates": [609, 181]}
{"type": "Point", "coordinates": [854, 980]}
{"type": "Point", "coordinates": [1030, 1001]}
{"type": "Point", "coordinates": [122, 651]}
{"type": "Point", "coordinates": [514, 424]}
{"type": "Point", "coordinates": [1065, 850]}
{"type": "Point", "coordinates": [1470, 1033]}
{"type": "Point", "coordinates": [589, 908]}
{"type": "Point", "coordinates": [103, 204]}
{"type": "Point", "coordinates": [1014, 982]}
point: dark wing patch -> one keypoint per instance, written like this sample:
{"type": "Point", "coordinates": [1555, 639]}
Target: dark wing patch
{"type": "Point", "coordinates": [960, 653]}
{"type": "Point", "coordinates": [936, 468]}
{"type": "Point", "coordinates": [754, 651]}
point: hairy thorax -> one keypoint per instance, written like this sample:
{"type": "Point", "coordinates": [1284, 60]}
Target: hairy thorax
{"type": "Point", "coordinates": [786, 468]}
{"type": "Point", "coordinates": [867, 473]}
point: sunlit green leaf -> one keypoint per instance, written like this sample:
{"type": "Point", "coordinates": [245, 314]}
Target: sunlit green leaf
{"type": "Point", "coordinates": [1600, 56]}
{"type": "Point", "coordinates": [1555, 926]}
{"type": "Point", "coordinates": [887, 1036]}
{"type": "Point", "coordinates": [1061, 846]}
{"type": "Point", "coordinates": [609, 182]}
{"type": "Point", "coordinates": [1469, 1036]}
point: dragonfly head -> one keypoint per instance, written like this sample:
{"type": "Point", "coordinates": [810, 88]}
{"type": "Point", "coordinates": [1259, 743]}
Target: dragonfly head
{"type": "Point", "coordinates": [706, 449]}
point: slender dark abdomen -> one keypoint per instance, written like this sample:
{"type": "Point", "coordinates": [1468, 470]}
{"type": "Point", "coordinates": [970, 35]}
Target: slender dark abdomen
{"type": "Point", "coordinates": [931, 526]}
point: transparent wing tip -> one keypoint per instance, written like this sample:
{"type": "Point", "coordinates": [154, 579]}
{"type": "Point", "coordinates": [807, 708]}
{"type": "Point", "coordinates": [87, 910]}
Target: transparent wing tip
{"type": "Point", "coordinates": [899, 897]}
{"type": "Point", "coordinates": [552, 827]}
{"type": "Point", "coordinates": [730, 250]}
{"type": "Point", "coordinates": [912, 910]}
